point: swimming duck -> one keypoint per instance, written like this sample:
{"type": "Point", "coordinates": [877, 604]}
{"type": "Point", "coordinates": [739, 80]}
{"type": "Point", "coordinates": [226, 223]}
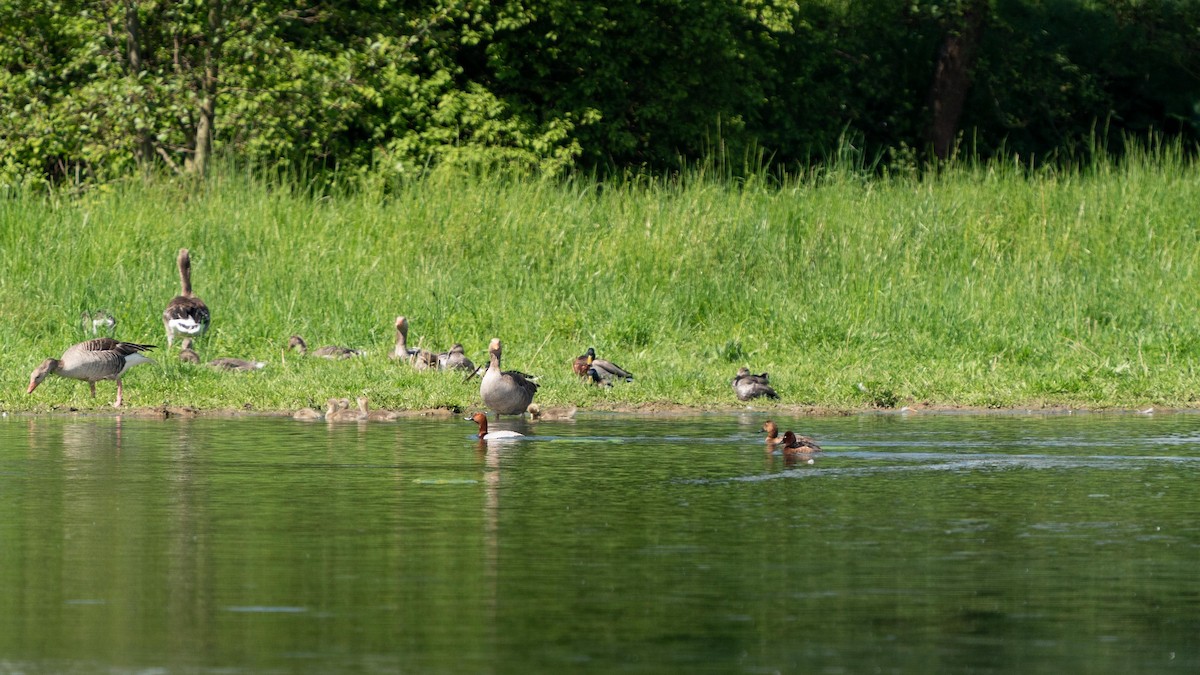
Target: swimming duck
{"type": "Point", "coordinates": [92, 361]}
{"type": "Point", "coordinates": [97, 321]}
{"type": "Point", "coordinates": [237, 364]}
{"type": "Point", "coordinates": [331, 352]}
{"type": "Point", "coordinates": [455, 359]}
{"type": "Point", "coordinates": [484, 435]}
{"type": "Point", "coordinates": [186, 313]}
{"type": "Point", "coordinates": [383, 415]}
{"type": "Point", "coordinates": [507, 392]}
{"type": "Point", "coordinates": [748, 386]}
{"type": "Point", "coordinates": [798, 445]}
{"type": "Point", "coordinates": [186, 353]}
{"type": "Point", "coordinates": [772, 431]}
{"type": "Point", "coordinates": [537, 413]}
{"type": "Point", "coordinates": [605, 371]}
{"type": "Point", "coordinates": [421, 359]}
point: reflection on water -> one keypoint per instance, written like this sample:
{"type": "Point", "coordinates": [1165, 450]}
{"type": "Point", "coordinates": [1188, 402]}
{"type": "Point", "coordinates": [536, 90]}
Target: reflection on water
{"type": "Point", "coordinates": [926, 543]}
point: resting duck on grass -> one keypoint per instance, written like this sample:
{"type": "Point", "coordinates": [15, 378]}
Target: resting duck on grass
{"type": "Point", "coordinates": [484, 435]}
{"type": "Point", "coordinates": [92, 361]}
{"type": "Point", "coordinates": [455, 359]}
{"type": "Point", "coordinates": [748, 386]}
{"type": "Point", "coordinates": [332, 352]}
{"type": "Point", "coordinates": [507, 392]}
{"type": "Point", "coordinates": [236, 364]}
{"type": "Point", "coordinates": [186, 313]}
{"type": "Point", "coordinates": [605, 371]}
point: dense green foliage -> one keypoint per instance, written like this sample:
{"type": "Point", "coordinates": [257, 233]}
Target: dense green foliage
{"type": "Point", "coordinates": [981, 286]}
{"type": "Point", "coordinates": [388, 88]}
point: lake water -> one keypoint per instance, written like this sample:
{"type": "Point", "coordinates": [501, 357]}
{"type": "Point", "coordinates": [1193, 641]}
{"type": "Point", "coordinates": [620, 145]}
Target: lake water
{"type": "Point", "coordinates": [636, 544]}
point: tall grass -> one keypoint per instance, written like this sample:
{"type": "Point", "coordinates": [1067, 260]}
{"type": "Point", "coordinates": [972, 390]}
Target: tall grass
{"type": "Point", "coordinates": [981, 285]}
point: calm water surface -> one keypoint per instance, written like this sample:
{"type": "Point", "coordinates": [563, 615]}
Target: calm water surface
{"type": "Point", "coordinates": [918, 544]}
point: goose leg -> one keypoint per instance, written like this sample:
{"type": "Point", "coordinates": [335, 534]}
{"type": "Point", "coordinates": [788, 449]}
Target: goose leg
{"type": "Point", "coordinates": [119, 392]}
{"type": "Point", "coordinates": [92, 385]}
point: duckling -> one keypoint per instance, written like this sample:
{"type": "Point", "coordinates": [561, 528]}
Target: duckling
{"type": "Point", "coordinates": [748, 386]}
{"type": "Point", "coordinates": [481, 419]}
{"type": "Point", "coordinates": [307, 414]}
{"type": "Point", "coordinates": [339, 411]}
{"type": "Point", "coordinates": [382, 415]}
{"type": "Point", "coordinates": [186, 353]}
{"type": "Point", "coordinates": [537, 413]}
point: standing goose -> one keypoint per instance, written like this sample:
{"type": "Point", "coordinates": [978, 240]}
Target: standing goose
{"type": "Point", "coordinates": [92, 361]}
{"type": "Point", "coordinates": [507, 392]}
{"type": "Point", "coordinates": [748, 386]}
{"type": "Point", "coordinates": [327, 352]}
{"type": "Point", "coordinates": [421, 359]}
{"type": "Point", "coordinates": [185, 314]}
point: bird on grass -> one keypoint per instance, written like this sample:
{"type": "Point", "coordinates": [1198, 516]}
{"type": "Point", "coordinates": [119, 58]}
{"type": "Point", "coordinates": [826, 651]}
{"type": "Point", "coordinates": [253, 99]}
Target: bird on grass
{"type": "Point", "coordinates": [186, 313]}
{"type": "Point", "coordinates": [92, 361]}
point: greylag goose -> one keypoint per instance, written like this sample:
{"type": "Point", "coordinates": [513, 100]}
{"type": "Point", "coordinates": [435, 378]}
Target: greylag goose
{"type": "Point", "coordinates": [237, 364]}
{"type": "Point", "coordinates": [748, 386]}
{"type": "Point", "coordinates": [327, 352]}
{"type": "Point", "coordinates": [92, 361]}
{"type": "Point", "coordinates": [307, 415]}
{"type": "Point", "coordinates": [455, 359]}
{"type": "Point", "coordinates": [507, 392]}
{"type": "Point", "coordinates": [605, 371]}
{"type": "Point", "coordinates": [340, 411]}
{"type": "Point", "coordinates": [185, 314]}
{"type": "Point", "coordinates": [186, 353]}
{"type": "Point", "coordinates": [100, 320]}
{"type": "Point", "coordinates": [536, 412]}
{"type": "Point", "coordinates": [421, 359]}
{"type": "Point", "coordinates": [481, 419]}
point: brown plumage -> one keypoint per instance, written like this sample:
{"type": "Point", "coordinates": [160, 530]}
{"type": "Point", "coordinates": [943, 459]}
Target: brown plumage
{"type": "Point", "coordinates": [772, 431]}
{"type": "Point", "coordinates": [236, 364]}
{"type": "Point", "coordinates": [455, 359]}
{"type": "Point", "coordinates": [508, 392]}
{"type": "Point", "coordinates": [332, 352]}
{"type": "Point", "coordinates": [798, 445]}
{"type": "Point", "coordinates": [92, 361]}
{"type": "Point", "coordinates": [186, 313]}
{"type": "Point", "coordinates": [186, 353]}
{"type": "Point", "coordinates": [421, 359]}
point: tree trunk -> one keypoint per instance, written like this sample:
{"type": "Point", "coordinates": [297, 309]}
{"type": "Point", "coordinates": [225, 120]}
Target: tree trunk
{"type": "Point", "coordinates": [205, 126]}
{"type": "Point", "coordinates": [143, 149]}
{"type": "Point", "coordinates": [952, 78]}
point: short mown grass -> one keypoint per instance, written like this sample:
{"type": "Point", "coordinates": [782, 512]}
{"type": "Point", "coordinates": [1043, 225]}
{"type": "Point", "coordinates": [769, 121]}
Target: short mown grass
{"type": "Point", "coordinates": [981, 286]}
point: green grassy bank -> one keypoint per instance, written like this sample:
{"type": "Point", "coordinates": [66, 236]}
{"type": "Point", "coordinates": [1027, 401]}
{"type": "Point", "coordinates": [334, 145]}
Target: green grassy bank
{"type": "Point", "coordinates": [979, 287]}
